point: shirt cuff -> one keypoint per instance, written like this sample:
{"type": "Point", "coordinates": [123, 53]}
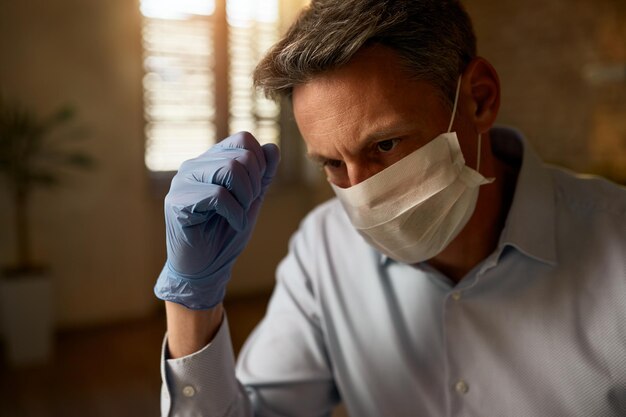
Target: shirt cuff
{"type": "Point", "coordinates": [202, 383]}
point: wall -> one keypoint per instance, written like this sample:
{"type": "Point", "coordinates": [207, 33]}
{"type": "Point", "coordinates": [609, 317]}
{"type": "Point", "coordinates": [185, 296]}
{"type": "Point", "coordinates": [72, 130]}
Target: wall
{"type": "Point", "coordinates": [94, 230]}
{"type": "Point", "coordinates": [546, 53]}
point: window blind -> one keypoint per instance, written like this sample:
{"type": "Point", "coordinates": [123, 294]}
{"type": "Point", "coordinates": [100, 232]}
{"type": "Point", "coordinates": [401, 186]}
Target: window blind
{"type": "Point", "coordinates": [181, 78]}
{"type": "Point", "coordinates": [253, 29]}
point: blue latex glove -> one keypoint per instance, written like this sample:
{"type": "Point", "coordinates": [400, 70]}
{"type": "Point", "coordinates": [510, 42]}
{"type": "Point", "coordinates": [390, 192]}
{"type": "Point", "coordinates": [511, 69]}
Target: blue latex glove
{"type": "Point", "coordinates": [210, 212]}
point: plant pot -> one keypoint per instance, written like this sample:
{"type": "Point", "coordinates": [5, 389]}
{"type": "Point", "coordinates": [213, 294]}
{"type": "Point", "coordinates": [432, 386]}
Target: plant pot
{"type": "Point", "coordinates": [26, 318]}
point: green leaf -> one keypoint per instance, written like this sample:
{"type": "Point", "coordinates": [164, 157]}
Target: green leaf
{"type": "Point", "coordinates": [59, 117]}
{"type": "Point", "coordinates": [80, 160]}
{"type": "Point", "coordinates": [47, 179]}
{"type": "Point", "coordinates": [32, 148]}
{"type": "Point", "coordinates": [65, 113]}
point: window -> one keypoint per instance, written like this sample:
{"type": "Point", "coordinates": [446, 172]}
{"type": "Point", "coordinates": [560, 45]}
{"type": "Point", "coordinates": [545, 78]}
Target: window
{"type": "Point", "coordinates": [198, 58]}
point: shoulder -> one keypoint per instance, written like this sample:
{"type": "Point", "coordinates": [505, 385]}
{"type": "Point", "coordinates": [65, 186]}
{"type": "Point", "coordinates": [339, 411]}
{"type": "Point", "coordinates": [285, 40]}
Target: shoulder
{"type": "Point", "coordinates": [588, 195]}
{"type": "Point", "coordinates": [590, 215]}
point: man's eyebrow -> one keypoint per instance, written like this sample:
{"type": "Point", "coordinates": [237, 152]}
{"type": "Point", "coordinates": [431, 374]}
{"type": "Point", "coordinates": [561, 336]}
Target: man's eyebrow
{"type": "Point", "coordinates": [316, 157]}
{"type": "Point", "coordinates": [388, 132]}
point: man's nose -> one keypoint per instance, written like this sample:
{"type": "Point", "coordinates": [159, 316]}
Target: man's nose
{"type": "Point", "coordinates": [359, 172]}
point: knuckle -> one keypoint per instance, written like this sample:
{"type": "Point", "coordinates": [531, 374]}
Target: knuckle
{"type": "Point", "coordinates": [175, 198]}
{"type": "Point", "coordinates": [232, 165]}
{"type": "Point", "coordinates": [247, 158]}
{"type": "Point", "coordinates": [185, 165]}
{"type": "Point", "coordinates": [191, 164]}
{"type": "Point", "coordinates": [221, 193]}
{"type": "Point", "coordinates": [246, 137]}
{"type": "Point", "coordinates": [244, 140]}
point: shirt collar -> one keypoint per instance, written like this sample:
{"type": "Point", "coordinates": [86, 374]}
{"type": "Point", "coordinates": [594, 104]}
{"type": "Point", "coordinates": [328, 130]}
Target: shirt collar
{"type": "Point", "coordinates": [530, 224]}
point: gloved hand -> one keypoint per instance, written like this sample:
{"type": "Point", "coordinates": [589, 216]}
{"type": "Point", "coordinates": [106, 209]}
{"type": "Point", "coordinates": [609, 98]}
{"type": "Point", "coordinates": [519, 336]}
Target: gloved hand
{"type": "Point", "coordinates": [210, 212]}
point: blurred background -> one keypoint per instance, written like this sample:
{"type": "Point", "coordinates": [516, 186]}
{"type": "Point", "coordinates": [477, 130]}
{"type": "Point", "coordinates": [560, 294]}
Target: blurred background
{"type": "Point", "coordinates": [150, 83]}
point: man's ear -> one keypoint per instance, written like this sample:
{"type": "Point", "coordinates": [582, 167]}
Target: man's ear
{"type": "Point", "coordinates": [481, 86]}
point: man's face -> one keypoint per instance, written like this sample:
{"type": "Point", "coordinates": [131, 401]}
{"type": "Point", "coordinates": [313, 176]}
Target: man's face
{"type": "Point", "coordinates": [363, 117]}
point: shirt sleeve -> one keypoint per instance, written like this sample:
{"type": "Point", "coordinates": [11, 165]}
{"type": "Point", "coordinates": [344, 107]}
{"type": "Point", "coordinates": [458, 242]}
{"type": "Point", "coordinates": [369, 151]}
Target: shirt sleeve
{"type": "Point", "coordinates": [203, 383]}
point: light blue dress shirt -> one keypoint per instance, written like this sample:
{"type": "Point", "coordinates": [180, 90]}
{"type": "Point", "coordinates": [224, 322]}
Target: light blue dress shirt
{"type": "Point", "coordinates": [536, 329]}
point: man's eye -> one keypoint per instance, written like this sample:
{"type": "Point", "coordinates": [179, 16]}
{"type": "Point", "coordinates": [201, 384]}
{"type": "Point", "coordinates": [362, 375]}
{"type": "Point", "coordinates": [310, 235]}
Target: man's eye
{"type": "Point", "coordinates": [331, 163]}
{"type": "Point", "coordinates": [386, 145]}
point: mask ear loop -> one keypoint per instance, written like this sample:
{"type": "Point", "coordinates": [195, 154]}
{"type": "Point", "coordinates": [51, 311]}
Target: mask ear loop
{"type": "Point", "coordinates": [456, 101]}
{"type": "Point", "coordinates": [478, 156]}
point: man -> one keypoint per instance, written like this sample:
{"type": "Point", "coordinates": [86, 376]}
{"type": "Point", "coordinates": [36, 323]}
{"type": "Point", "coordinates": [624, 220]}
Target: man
{"type": "Point", "coordinates": [454, 275]}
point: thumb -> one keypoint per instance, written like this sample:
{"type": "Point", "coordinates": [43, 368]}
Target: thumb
{"type": "Point", "coordinates": [272, 158]}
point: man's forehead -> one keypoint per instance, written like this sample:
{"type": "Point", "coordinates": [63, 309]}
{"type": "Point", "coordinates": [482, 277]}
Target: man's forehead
{"type": "Point", "coordinates": [338, 106]}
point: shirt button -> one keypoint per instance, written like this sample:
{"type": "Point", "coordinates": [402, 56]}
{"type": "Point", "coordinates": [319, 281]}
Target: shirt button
{"type": "Point", "coordinates": [456, 296]}
{"type": "Point", "coordinates": [189, 391]}
{"type": "Point", "coordinates": [461, 387]}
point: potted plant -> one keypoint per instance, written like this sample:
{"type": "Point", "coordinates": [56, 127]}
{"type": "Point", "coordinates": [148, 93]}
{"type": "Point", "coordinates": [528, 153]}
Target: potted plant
{"type": "Point", "coordinates": [34, 153]}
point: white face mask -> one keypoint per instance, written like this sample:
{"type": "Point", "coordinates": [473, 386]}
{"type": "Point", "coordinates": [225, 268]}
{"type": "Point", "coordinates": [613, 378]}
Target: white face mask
{"type": "Point", "coordinates": [413, 209]}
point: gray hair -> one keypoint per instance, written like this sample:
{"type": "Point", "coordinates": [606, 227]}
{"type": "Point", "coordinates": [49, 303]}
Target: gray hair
{"type": "Point", "coordinates": [434, 39]}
